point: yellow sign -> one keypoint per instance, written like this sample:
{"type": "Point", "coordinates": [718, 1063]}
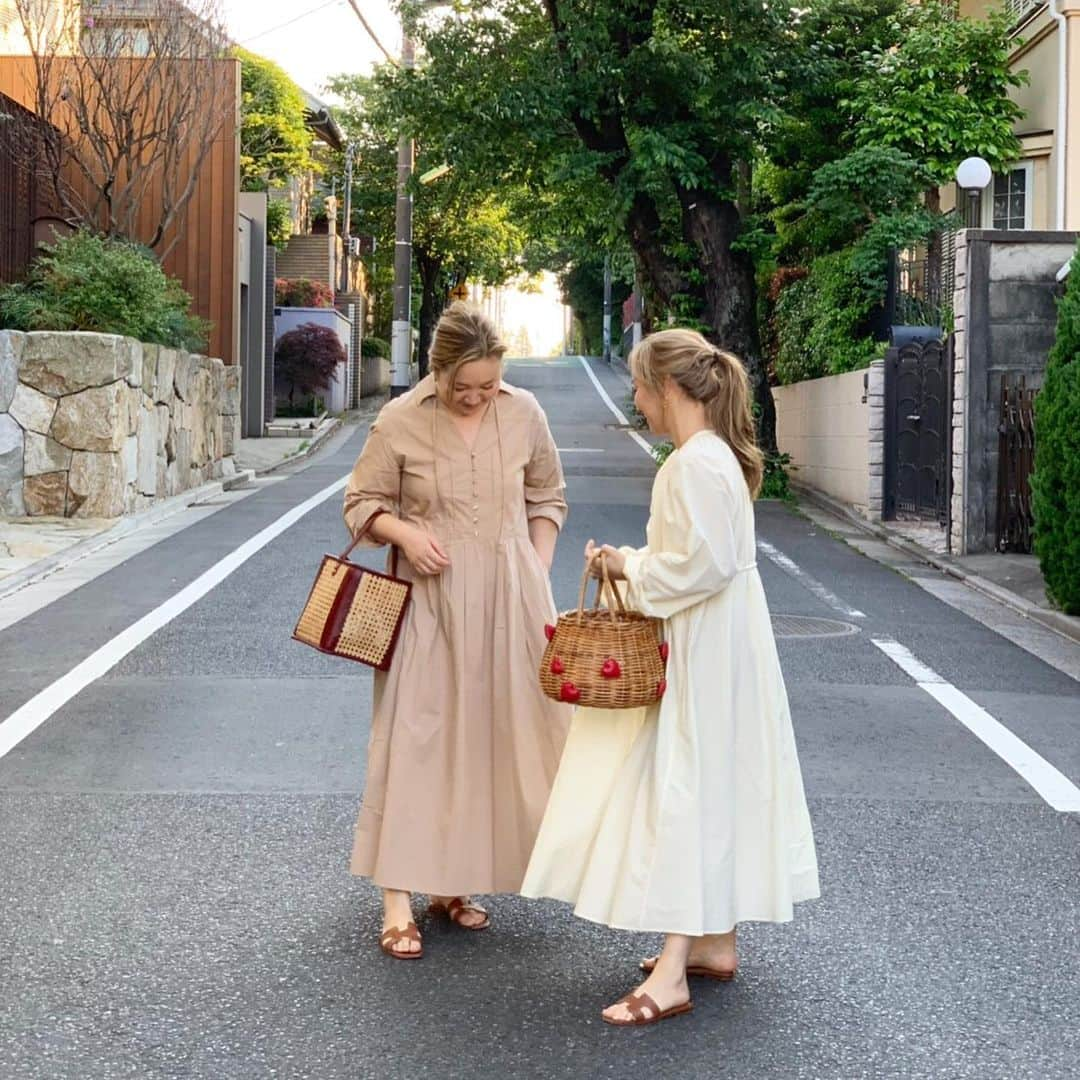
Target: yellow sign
{"type": "Point", "coordinates": [460, 292]}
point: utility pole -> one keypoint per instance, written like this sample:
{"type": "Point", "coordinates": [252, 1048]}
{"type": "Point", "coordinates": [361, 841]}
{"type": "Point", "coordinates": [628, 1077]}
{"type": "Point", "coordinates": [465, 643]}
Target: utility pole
{"type": "Point", "coordinates": [346, 223]}
{"type": "Point", "coordinates": [401, 332]}
{"type": "Point", "coordinates": [607, 309]}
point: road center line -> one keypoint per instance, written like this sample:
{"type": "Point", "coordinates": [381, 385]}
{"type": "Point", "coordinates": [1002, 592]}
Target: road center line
{"type": "Point", "coordinates": [789, 566]}
{"type": "Point", "coordinates": [29, 717]}
{"type": "Point", "coordinates": [1052, 785]}
{"type": "Point", "coordinates": [618, 413]}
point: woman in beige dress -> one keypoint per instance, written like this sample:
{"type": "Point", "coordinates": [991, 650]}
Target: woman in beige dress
{"type": "Point", "coordinates": [462, 476]}
{"type": "Point", "coordinates": [687, 817]}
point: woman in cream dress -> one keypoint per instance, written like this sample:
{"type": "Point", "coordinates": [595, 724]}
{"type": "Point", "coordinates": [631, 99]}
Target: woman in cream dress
{"type": "Point", "coordinates": [689, 816]}
{"type": "Point", "coordinates": [462, 475]}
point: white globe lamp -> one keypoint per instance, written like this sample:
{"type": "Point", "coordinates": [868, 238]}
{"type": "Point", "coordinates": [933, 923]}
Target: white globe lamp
{"type": "Point", "coordinates": [973, 174]}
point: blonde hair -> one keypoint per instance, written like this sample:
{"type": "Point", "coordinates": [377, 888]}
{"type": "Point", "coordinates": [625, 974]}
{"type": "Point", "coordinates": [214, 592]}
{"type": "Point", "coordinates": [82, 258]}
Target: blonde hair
{"type": "Point", "coordinates": [463, 335]}
{"type": "Point", "coordinates": [712, 376]}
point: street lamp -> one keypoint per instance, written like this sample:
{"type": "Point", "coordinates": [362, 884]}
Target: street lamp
{"type": "Point", "coordinates": [973, 174]}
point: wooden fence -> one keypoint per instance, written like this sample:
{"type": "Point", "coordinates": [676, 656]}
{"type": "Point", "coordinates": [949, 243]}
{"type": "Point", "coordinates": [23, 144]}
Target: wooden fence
{"type": "Point", "coordinates": [206, 256]}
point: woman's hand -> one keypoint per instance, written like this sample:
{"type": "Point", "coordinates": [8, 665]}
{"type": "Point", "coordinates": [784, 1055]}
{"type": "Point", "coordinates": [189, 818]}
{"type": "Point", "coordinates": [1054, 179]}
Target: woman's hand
{"type": "Point", "coordinates": [423, 552]}
{"type": "Point", "coordinates": [615, 560]}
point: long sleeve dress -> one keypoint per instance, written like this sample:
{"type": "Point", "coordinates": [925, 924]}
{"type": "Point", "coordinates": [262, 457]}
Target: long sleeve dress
{"type": "Point", "coordinates": [464, 747]}
{"type": "Point", "coordinates": [688, 816]}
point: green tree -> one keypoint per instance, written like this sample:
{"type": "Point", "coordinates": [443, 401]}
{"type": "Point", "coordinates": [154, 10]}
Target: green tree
{"type": "Point", "coordinates": [1056, 480]}
{"type": "Point", "coordinates": [641, 114]}
{"type": "Point", "coordinates": [465, 227]}
{"type": "Point", "coordinates": [275, 143]}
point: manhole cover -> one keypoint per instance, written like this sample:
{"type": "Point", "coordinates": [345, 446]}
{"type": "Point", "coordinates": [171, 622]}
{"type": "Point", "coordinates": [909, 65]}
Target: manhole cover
{"type": "Point", "coordinates": [802, 626]}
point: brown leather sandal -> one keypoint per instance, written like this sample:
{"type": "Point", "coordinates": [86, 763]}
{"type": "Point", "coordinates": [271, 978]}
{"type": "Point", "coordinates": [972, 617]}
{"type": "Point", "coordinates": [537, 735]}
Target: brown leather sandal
{"type": "Point", "coordinates": [454, 909]}
{"type": "Point", "coordinates": [394, 936]}
{"type": "Point", "coordinates": [700, 971]}
{"type": "Point", "coordinates": [637, 1003]}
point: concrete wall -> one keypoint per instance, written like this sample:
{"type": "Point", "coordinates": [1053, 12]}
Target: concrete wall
{"type": "Point", "coordinates": [96, 425]}
{"type": "Point", "coordinates": [1006, 320]}
{"type": "Point", "coordinates": [824, 424]}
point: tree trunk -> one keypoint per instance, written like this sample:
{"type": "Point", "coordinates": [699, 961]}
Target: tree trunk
{"type": "Point", "coordinates": [432, 302]}
{"type": "Point", "coordinates": [712, 225]}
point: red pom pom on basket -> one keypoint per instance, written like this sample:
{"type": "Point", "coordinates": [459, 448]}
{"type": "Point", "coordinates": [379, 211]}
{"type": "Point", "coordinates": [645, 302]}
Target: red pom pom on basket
{"type": "Point", "coordinates": [577, 667]}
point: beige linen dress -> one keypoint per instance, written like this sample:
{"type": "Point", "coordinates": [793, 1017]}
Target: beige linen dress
{"type": "Point", "coordinates": [689, 816]}
{"type": "Point", "coordinates": [464, 747]}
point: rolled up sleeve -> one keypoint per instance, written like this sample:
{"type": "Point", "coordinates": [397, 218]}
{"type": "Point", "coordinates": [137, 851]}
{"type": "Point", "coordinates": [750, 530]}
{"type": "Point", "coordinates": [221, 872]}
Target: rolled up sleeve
{"type": "Point", "coordinates": [545, 488]}
{"type": "Point", "coordinates": [373, 488]}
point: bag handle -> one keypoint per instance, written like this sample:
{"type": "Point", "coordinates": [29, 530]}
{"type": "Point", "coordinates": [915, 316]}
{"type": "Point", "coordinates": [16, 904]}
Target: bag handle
{"type": "Point", "coordinates": [604, 587]}
{"type": "Point", "coordinates": [367, 528]}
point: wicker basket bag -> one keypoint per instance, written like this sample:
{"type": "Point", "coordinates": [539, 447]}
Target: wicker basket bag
{"type": "Point", "coordinates": [604, 658]}
{"type": "Point", "coordinates": [354, 612]}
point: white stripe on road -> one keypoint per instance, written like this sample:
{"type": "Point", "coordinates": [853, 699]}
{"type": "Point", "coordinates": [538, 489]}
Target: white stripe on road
{"type": "Point", "coordinates": [576, 450]}
{"type": "Point", "coordinates": [1053, 786]}
{"type": "Point", "coordinates": [619, 415]}
{"type": "Point", "coordinates": [789, 566]}
{"type": "Point", "coordinates": [29, 717]}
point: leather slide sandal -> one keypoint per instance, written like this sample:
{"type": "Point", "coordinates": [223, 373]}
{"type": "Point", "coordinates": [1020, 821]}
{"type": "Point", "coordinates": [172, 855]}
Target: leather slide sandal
{"type": "Point", "coordinates": [699, 971]}
{"type": "Point", "coordinates": [637, 1003]}
{"type": "Point", "coordinates": [456, 908]}
{"type": "Point", "coordinates": [393, 936]}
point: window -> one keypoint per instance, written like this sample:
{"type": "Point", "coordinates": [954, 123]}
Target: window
{"type": "Point", "coordinates": [1020, 9]}
{"type": "Point", "coordinates": [1009, 199]}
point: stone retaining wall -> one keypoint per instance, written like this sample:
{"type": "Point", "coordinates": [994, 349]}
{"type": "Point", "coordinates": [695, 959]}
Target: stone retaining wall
{"type": "Point", "coordinates": [96, 425]}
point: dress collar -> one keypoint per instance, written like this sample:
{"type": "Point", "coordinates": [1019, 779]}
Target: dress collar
{"type": "Point", "coordinates": [425, 389]}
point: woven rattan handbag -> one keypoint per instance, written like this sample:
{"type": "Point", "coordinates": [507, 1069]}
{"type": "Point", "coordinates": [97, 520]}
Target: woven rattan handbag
{"type": "Point", "coordinates": [354, 612]}
{"type": "Point", "coordinates": [604, 658]}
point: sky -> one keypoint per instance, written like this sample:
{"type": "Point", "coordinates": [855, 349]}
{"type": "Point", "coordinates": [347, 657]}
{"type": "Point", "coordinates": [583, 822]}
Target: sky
{"type": "Point", "coordinates": [313, 39]}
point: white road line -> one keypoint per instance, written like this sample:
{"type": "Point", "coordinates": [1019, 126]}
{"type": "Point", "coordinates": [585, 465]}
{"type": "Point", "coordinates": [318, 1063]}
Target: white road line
{"type": "Point", "coordinates": [29, 717]}
{"type": "Point", "coordinates": [619, 415]}
{"type": "Point", "coordinates": [1052, 786]}
{"type": "Point", "coordinates": [577, 450]}
{"type": "Point", "coordinates": [789, 566]}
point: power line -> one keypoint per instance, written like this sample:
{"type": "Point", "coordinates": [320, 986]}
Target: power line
{"type": "Point", "coordinates": [371, 33]}
{"type": "Point", "coordinates": [289, 22]}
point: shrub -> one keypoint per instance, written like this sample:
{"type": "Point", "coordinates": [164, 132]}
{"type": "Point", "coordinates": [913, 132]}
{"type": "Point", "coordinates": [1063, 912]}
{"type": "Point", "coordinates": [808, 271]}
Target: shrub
{"type": "Point", "coordinates": [306, 359]}
{"type": "Point", "coordinates": [88, 282]}
{"type": "Point", "coordinates": [375, 346]}
{"type": "Point", "coordinates": [302, 292]}
{"type": "Point", "coordinates": [278, 224]}
{"type": "Point", "coordinates": [1056, 481]}
{"type": "Point", "coordinates": [821, 321]}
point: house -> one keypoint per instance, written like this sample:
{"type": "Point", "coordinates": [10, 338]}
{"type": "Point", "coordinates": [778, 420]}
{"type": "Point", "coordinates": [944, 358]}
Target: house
{"type": "Point", "coordinates": [204, 242]}
{"type": "Point", "coordinates": [1042, 190]}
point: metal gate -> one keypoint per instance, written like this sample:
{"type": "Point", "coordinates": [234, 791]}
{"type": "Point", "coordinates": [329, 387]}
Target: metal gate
{"type": "Point", "coordinates": [1016, 461]}
{"type": "Point", "coordinates": [918, 404]}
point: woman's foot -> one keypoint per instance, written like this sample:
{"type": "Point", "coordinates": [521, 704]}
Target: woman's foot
{"type": "Point", "coordinates": [664, 993]}
{"type": "Point", "coordinates": [400, 937]}
{"type": "Point", "coordinates": [461, 911]}
{"type": "Point", "coordinates": [713, 956]}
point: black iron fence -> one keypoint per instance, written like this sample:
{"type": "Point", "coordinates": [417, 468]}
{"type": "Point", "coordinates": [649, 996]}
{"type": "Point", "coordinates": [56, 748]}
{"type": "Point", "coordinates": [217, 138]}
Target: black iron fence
{"type": "Point", "coordinates": [1016, 461]}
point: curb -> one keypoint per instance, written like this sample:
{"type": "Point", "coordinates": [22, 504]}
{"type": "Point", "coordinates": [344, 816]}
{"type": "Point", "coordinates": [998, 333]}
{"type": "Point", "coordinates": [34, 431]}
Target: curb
{"type": "Point", "coordinates": [125, 526]}
{"type": "Point", "coordinates": [322, 433]}
{"type": "Point", "coordinates": [1065, 625]}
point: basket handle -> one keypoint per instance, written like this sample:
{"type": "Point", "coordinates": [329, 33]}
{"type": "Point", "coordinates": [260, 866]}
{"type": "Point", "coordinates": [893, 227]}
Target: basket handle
{"type": "Point", "coordinates": [604, 587]}
{"type": "Point", "coordinates": [344, 556]}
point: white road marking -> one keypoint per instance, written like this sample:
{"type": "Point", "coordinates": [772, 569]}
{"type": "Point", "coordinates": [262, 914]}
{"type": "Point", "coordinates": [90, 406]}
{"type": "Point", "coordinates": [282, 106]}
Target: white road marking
{"type": "Point", "coordinates": [29, 717]}
{"type": "Point", "coordinates": [576, 450]}
{"type": "Point", "coordinates": [618, 413]}
{"type": "Point", "coordinates": [789, 566]}
{"type": "Point", "coordinates": [1052, 785]}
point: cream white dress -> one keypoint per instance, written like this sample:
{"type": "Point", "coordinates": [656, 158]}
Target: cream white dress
{"type": "Point", "coordinates": [689, 816]}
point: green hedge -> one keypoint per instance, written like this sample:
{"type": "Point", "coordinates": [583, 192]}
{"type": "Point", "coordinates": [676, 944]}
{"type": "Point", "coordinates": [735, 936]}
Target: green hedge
{"type": "Point", "coordinates": [1056, 480]}
{"type": "Point", "coordinates": [374, 346]}
{"type": "Point", "coordinates": [108, 286]}
{"type": "Point", "coordinates": [820, 321]}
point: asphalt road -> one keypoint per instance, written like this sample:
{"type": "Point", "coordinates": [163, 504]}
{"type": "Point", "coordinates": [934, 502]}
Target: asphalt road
{"type": "Point", "coordinates": [174, 893]}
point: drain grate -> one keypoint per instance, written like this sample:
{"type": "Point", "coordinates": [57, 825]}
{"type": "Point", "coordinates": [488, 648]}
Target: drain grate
{"type": "Point", "coordinates": [807, 626]}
